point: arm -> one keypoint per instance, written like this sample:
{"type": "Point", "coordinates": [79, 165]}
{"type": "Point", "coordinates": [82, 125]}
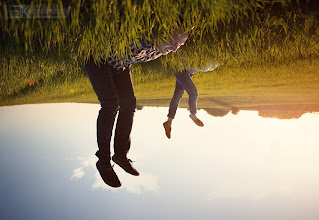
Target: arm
{"type": "Point", "coordinates": [210, 67]}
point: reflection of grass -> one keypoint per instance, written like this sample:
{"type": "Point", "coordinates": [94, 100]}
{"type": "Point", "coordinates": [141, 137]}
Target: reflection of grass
{"type": "Point", "coordinates": [291, 83]}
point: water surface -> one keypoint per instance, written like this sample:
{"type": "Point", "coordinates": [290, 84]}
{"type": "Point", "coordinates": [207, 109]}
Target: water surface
{"type": "Point", "coordinates": [239, 166]}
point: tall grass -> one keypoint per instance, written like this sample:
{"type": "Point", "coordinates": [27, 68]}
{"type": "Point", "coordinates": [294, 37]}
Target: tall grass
{"type": "Point", "coordinates": [93, 26]}
{"type": "Point", "coordinates": [279, 35]}
{"type": "Point", "coordinates": [39, 54]}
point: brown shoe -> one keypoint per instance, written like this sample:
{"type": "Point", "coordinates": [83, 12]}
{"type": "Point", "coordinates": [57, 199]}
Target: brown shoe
{"type": "Point", "coordinates": [167, 128]}
{"type": "Point", "coordinates": [197, 121]}
{"type": "Point", "coordinates": [125, 163]}
{"type": "Point", "coordinates": [107, 173]}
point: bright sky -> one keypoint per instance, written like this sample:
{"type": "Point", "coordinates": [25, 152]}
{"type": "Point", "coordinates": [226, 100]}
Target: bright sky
{"type": "Point", "coordinates": [242, 158]}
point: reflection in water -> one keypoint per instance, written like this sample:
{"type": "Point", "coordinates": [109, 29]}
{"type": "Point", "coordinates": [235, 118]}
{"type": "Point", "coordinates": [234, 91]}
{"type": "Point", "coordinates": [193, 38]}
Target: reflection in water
{"type": "Point", "coordinates": [139, 107]}
{"type": "Point", "coordinates": [286, 112]}
{"type": "Point", "coordinates": [217, 112]}
{"type": "Point", "coordinates": [281, 115]}
{"type": "Point", "coordinates": [279, 112]}
{"type": "Point", "coordinates": [237, 167]}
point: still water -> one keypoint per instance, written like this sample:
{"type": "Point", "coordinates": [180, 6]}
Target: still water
{"type": "Point", "coordinates": [239, 166]}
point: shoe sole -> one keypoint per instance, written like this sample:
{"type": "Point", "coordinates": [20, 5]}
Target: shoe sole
{"type": "Point", "coordinates": [106, 181]}
{"type": "Point", "coordinates": [133, 173]}
{"type": "Point", "coordinates": [167, 130]}
{"type": "Point", "coordinates": [197, 122]}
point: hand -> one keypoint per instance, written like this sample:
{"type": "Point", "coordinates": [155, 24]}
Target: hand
{"type": "Point", "coordinates": [211, 67]}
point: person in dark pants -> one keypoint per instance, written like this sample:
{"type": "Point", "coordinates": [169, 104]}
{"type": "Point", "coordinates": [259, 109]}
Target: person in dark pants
{"type": "Point", "coordinates": [111, 81]}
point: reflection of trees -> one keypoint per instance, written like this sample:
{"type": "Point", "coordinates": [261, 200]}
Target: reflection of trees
{"type": "Point", "coordinates": [217, 112]}
{"type": "Point", "coordinates": [139, 107]}
{"type": "Point", "coordinates": [221, 112]}
{"type": "Point", "coordinates": [285, 111]}
{"type": "Point", "coordinates": [235, 110]}
{"type": "Point", "coordinates": [281, 114]}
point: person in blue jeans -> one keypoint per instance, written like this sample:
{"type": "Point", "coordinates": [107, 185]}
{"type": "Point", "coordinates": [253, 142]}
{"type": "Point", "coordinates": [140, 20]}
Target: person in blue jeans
{"type": "Point", "coordinates": [184, 83]}
{"type": "Point", "coordinates": [111, 81]}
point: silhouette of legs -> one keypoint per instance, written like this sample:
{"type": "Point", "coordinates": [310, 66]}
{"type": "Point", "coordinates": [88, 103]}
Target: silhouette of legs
{"type": "Point", "coordinates": [115, 92]}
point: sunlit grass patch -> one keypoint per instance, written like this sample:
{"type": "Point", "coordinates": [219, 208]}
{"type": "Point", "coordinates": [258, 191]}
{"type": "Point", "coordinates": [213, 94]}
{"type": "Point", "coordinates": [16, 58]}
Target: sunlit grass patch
{"type": "Point", "coordinates": [293, 83]}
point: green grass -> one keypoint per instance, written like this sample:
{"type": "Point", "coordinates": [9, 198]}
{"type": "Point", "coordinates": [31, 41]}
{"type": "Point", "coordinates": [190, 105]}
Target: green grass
{"type": "Point", "coordinates": [93, 26]}
{"type": "Point", "coordinates": [236, 32]}
{"type": "Point", "coordinates": [291, 83]}
{"type": "Point", "coordinates": [269, 50]}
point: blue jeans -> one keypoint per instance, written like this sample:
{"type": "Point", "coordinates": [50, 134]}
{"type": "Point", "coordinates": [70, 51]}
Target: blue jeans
{"type": "Point", "coordinates": [115, 92]}
{"type": "Point", "coordinates": [183, 82]}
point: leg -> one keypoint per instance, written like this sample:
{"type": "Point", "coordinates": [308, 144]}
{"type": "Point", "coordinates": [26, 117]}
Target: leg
{"type": "Point", "coordinates": [178, 94]}
{"type": "Point", "coordinates": [101, 78]}
{"type": "Point", "coordinates": [185, 79]}
{"type": "Point", "coordinates": [122, 140]}
{"type": "Point", "coordinates": [127, 102]}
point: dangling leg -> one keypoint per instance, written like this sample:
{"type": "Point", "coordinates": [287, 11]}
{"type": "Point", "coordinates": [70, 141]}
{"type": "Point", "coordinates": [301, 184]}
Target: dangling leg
{"type": "Point", "coordinates": [102, 81]}
{"type": "Point", "coordinates": [122, 140]}
{"type": "Point", "coordinates": [185, 79]}
{"type": "Point", "coordinates": [178, 94]}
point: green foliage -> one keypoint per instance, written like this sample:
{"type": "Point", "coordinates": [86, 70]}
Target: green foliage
{"type": "Point", "coordinates": [22, 74]}
{"type": "Point", "coordinates": [93, 26]}
{"type": "Point", "coordinates": [280, 34]}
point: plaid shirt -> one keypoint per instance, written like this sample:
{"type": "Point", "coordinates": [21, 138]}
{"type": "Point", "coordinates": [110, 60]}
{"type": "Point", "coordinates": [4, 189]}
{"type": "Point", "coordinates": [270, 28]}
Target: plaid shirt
{"type": "Point", "coordinates": [144, 51]}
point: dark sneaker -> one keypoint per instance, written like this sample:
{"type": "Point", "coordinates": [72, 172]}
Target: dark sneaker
{"type": "Point", "coordinates": [107, 173]}
{"type": "Point", "coordinates": [167, 128]}
{"type": "Point", "coordinates": [125, 163]}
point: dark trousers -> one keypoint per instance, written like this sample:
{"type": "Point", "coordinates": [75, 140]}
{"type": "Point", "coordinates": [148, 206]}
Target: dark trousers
{"type": "Point", "coordinates": [115, 92]}
{"type": "Point", "coordinates": [183, 82]}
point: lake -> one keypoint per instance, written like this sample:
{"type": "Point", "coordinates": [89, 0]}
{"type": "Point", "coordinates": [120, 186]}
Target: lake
{"type": "Point", "coordinates": [243, 164]}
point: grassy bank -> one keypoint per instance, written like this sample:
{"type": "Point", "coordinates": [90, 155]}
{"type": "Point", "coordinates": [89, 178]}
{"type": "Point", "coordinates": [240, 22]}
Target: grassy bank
{"type": "Point", "coordinates": [286, 83]}
{"type": "Point", "coordinates": [268, 49]}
